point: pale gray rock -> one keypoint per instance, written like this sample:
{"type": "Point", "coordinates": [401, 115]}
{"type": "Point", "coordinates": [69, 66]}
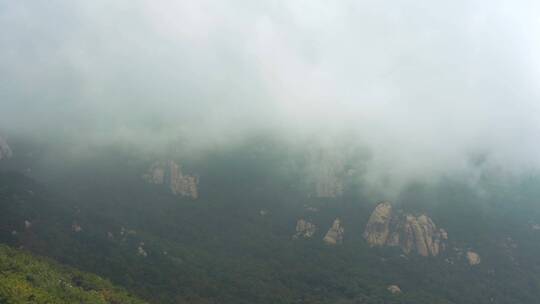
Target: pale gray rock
{"type": "Point", "coordinates": [304, 229]}
{"type": "Point", "coordinates": [394, 289]}
{"type": "Point", "coordinates": [335, 234]}
{"type": "Point", "coordinates": [473, 258]}
{"type": "Point", "coordinates": [5, 150]}
{"type": "Point", "coordinates": [76, 227]}
{"type": "Point", "coordinates": [141, 251]}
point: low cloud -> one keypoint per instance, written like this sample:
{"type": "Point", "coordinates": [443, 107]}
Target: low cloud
{"type": "Point", "coordinates": [426, 87]}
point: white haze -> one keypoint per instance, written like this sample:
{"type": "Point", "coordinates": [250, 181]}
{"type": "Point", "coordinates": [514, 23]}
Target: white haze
{"type": "Point", "coordinates": [425, 85]}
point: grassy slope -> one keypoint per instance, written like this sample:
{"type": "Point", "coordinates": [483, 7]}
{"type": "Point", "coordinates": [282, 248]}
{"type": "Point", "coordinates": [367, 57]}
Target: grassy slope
{"type": "Point", "coordinates": [25, 278]}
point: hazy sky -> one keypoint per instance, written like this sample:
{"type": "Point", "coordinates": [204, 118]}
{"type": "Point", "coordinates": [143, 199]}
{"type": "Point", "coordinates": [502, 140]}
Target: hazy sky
{"type": "Point", "coordinates": [424, 84]}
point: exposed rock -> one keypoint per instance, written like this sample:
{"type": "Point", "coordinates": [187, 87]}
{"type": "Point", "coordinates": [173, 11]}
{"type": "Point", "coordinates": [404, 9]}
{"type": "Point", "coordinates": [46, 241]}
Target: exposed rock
{"type": "Point", "coordinates": [170, 173]}
{"type": "Point", "coordinates": [76, 227]}
{"type": "Point", "coordinates": [412, 233]}
{"type": "Point", "coordinates": [5, 150]}
{"type": "Point", "coordinates": [141, 251]}
{"type": "Point", "coordinates": [394, 289]}
{"type": "Point", "coordinates": [335, 234]}
{"type": "Point", "coordinates": [473, 258]}
{"type": "Point", "coordinates": [377, 229]}
{"type": "Point", "coordinates": [304, 229]}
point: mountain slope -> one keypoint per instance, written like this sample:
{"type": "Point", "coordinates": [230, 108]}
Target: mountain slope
{"type": "Point", "coordinates": [25, 278]}
{"type": "Point", "coordinates": [234, 243]}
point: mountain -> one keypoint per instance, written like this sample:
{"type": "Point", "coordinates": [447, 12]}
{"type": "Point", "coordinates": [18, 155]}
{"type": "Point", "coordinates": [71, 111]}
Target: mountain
{"type": "Point", "coordinates": [233, 243]}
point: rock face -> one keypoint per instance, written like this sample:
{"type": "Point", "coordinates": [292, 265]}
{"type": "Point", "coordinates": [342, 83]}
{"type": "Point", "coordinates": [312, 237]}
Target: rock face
{"type": "Point", "coordinates": [394, 289]}
{"type": "Point", "coordinates": [304, 229]}
{"type": "Point", "coordinates": [378, 227]}
{"type": "Point", "coordinates": [335, 234]}
{"type": "Point", "coordinates": [170, 173]}
{"type": "Point", "coordinates": [5, 150]}
{"type": "Point", "coordinates": [473, 258]}
{"type": "Point", "coordinates": [412, 233]}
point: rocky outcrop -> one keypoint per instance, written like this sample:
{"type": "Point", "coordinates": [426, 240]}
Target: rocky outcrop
{"type": "Point", "coordinates": [304, 229]}
{"type": "Point", "coordinates": [170, 173]}
{"type": "Point", "coordinates": [378, 227]}
{"type": "Point", "coordinates": [141, 251]}
{"type": "Point", "coordinates": [335, 234]}
{"type": "Point", "coordinates": [412, 233]}
{"type": "Point", "coordinates": [5, 150]}
{"type": "Point", "coordinates": [76, 227]}
{"type": "Point", "coordinates": [473, 258]}
{"type": "Point", "coordinates": [394, 289]}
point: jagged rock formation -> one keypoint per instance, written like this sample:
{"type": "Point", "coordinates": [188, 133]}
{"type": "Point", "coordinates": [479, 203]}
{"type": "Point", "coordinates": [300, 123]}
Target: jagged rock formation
{"type": "Point", "coordinates": [412, 233]}
{"type": "Point", "coordinates": [170, 173]}
{"type": "Point", "coordinates": [5, 150]}
{"type": "Point", "coordinates": [335, 234]}
{"type": "Point", "coordinates": [394, 289]}
{"type": "Point", "coordinates": [304, 229]}
{"type": "Point", "coordinates": [473, 258]}
{"type": "Point", "coordinates": [378, 227]}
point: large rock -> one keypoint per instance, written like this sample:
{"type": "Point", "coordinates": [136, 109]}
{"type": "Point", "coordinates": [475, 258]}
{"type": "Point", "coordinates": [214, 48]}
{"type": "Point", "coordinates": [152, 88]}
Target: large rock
{"type": "Point", "coordinates": [394, 289]}
{"type": "Point", "coordinates": [412, 233]}
{"type": "Point", "coordinates": [170, 173]}
{"type": "Point", "coordinates": [378, 227]}
{"type": "Point", "coordinates": [304, 229]}
{"type": "Point", "coordinates": [473, 258]}
{"type": "Point", "coordinates": [335, 234]}
{"type": "Point", "coordinates": [5, 150]}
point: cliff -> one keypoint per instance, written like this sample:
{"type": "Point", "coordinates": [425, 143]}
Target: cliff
{"type": "Point", "coordinates": [412, 233]}
{"type": "Point", "coordinates": [170, 173]}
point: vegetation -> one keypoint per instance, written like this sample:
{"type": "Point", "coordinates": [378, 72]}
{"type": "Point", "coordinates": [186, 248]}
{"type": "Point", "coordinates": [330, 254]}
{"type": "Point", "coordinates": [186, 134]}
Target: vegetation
{"type": "Point", "coordinates": [25, 278]}
{"type": "Point", "coordinates": [220, 249]}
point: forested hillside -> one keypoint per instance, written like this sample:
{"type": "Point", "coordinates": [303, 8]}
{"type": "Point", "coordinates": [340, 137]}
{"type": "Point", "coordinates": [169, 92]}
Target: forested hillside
{"type": "Point", "coordinates": [234, 243]}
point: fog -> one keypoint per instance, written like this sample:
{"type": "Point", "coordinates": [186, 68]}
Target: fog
{"type": "Point", "coordinates": [426, 87]}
